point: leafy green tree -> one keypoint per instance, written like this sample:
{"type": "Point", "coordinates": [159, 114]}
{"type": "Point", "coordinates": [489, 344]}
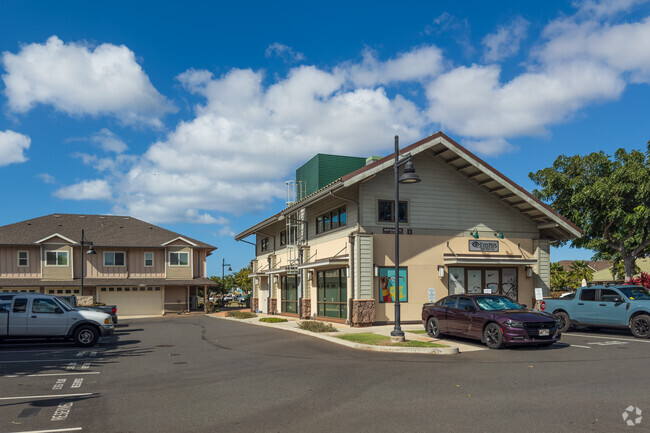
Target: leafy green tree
{"type": "Point", "coordinates": [242, 281]}
{"type": "Point", "coordinates": [559, 277]}
{"type": "Point", "coordinates": [580, 270]}
{"type": "Point", "coordinates": [609, 198]}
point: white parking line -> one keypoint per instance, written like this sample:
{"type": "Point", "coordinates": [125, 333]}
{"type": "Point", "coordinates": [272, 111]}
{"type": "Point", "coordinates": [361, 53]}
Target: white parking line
{"type": "Point", "coordinates": [583, 347]}
{"type": "Point", "coordinates": [38, 360]}
{"type": "Point", "coordinates": [610, 337]}
{"type": "Point", "coordinates": [53, 431]}
{"type": "Point", "coordinates": [13, 376]}
{"type": "Point", "coordinates": [27, 397]}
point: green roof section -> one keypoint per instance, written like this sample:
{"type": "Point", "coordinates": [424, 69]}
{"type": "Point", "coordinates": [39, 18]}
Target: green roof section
{"type": "Point", "coordinates": [323, 169]}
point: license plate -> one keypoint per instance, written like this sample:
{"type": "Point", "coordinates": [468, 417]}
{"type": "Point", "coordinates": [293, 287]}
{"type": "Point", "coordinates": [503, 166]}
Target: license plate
{"type": "Point", "coordinates": [543, 333]}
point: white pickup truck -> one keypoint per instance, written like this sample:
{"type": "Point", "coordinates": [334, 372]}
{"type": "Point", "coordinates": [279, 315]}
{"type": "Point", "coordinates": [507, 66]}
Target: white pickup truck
{"type": "Point", "coordinates": [34, 315]}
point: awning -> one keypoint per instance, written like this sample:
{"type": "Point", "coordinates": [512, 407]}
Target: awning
{"type": "Point", "coordinates": [493, 260]}
{"type": "Point", "coordinates": [258, 274]}
{"type": "Point", "coordinates": [330, 262]}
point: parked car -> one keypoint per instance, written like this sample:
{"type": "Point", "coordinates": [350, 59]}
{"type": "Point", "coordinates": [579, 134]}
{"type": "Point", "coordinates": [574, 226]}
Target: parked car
{"type": "Point", "coordinates": [111, 310]}
{"type": "Point", "coordinates": [617, 306]}
{"type": "Point", "coordinates": [493, 319]}
{"type": "Point", "coordinates": [33, 315]}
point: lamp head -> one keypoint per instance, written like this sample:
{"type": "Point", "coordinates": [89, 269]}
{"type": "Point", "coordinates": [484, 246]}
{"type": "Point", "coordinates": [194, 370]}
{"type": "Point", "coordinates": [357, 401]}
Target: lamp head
{"type": "Point", "coordinates": [409, 175]}
{"type": "Point", "coordinates": [91, 250]}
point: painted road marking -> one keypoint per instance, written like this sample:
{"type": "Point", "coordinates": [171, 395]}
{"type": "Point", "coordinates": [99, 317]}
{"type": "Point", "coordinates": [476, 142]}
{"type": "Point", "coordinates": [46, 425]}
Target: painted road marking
{"type": "Point", "coordinates": [13, 376]}
{"type": "Point", "coordinates": [62, 412]}
{"type": "Point", "coordinates": [608, 343]}
{"type": "Point", "coordinates": [27, 397]}
{"type": "Point", "coordinates": [92, 354]}
{"type": "Point", "coordinates": [610, 337]}
{"type": "Point", "coordinates": [583, 347]}
{"type": "Point", "coordinates": [37, 360]}
{"type": "Point", "coordinates": [77, 383]}
{"type": "Point", "coordinates": [86, 366]}
{"type": "Point", "coordinates": [80, 354]}
{"type": "Point", "coordinates": [71, 366]}
{"type": "Point", "coordinates": [56, 430]}
{"type": "Point", "coordinates": [59, 384]}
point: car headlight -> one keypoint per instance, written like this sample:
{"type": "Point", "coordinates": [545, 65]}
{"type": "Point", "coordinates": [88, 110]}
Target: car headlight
{"type": "Point", "coordinates": [513, 324]}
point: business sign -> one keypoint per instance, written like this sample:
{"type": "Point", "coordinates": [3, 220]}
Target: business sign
{"type": "Point", "coordinates": [539, 294]}
{"type": "Point", "coordinates": [484, 246]}
{"type": "Point", "coordinates": [432, 295]}
{"type": "Point", "coordinates": [387, 285]}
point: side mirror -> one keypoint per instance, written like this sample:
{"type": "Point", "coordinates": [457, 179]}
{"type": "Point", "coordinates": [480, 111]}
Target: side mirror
{"type": "Point", "coordinates": [524, 305]}
{"type": "Point", "coordinates": [58, 310]}
{"type": "Point", "coordinates": [618, 300]}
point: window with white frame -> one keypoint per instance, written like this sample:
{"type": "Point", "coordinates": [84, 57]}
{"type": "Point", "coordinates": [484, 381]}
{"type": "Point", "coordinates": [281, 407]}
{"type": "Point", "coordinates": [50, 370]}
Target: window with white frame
{"type": "Point", "coordinates": [56, 258]}
{"type": "Point", "coordinates": [148, 259]}
{"type": "Point", "coordinates": [112, 258]}
{"type": "Point", "coordinates": [179, 259]}
{"type": "Point", "coordinates": [23, 258]}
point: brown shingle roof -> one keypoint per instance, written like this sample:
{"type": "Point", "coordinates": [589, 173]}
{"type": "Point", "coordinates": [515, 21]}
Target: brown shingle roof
{"type": "Point", "coordinates": [102, 230]}
{"type": "Point", "coordinates": [92, 282]}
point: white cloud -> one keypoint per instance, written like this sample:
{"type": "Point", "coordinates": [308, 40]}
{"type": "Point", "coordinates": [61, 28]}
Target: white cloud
{"type": "Point", "coordinates": [12, 147]}
{"type": "Point", "coordinates": [285, 52]}
{"type": "Point", "coordinates": [605, 8]}
{"type": "Point", "coordinates": [97, 189]}
{"type": "Point", "coordinates": [47, 178]}
{"type": "Point", "coordinates": [227, 232]}
{"type": "Point", "coordinates": [109, 141]}
{"type": "Point", "coordinates": [78, 80]}
{"type": "Point", "coordinates": [489, 146]}
{"type": "Point", "coordinates": [505, 42]}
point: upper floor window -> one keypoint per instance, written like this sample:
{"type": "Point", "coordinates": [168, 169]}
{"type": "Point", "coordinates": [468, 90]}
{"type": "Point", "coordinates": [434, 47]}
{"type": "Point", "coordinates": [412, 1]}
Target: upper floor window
{"type": "Point", "coordinates": [386, 211]}
{"type": "Point", "coordinates": [331, 220]}
{"type": "Point", "coordinates": [148, 259]}
{"type": "Point", "coordinates": [56, 258]}
{"type": "Point", "coordinates": [23, 258]}
{"type": "Point", "coordinates": [264, 244]}
{"type": "Point", "coordinates": [283, 237]}
{"type": "Point", "coordinates": [291, 239]}
{"type": "Point", "coordinates": [179, 259]}
{"type": "Point", "coordinates": [113, 259]}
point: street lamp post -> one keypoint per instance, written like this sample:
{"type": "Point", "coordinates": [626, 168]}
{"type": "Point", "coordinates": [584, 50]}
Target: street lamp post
{"type": "Point", "coordinates": [223, 267]}
{"type": "Point", "coordinates": [409, 176]}
{"type": "Point", "coordinates": [84, 242]}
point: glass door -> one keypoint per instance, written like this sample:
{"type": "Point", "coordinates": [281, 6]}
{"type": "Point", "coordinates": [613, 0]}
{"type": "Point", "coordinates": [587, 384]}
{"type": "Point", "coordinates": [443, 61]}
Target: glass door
{"type": "Point", "coordinates": [474, 281]}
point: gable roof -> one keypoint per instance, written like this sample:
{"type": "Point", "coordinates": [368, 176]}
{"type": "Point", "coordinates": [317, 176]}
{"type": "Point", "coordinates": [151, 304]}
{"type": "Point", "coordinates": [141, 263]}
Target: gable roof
{"type": "Point", "coordinates": [102, 230]}
{"type": "Point", "coordinates": [551, 224]}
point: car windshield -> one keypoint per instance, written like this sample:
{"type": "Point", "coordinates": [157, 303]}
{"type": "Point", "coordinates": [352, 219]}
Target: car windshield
{"type": "Point", "coordinates": [64, 304]}
{"type": "Point", "coordinates": [635, 293]}
{"type": "Point", "coordinates": [492, 303]}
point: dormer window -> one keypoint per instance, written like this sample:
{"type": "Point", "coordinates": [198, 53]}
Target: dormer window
{"type": "Point", "coordinates": [179, 259]}
{"type": "Point", "coordinates": [56, 258]}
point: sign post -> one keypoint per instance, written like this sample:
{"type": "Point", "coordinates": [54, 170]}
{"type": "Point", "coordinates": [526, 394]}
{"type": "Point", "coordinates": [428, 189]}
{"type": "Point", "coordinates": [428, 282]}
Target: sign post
{"type": "Point", "coordinates": [539, 295]}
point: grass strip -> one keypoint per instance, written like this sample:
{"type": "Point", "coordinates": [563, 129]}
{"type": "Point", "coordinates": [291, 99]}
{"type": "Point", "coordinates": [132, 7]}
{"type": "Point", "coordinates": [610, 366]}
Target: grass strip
{"type": "Point", "coordinates": [382, 340]}
{"type": "Point", "coordinates": [241, 314]}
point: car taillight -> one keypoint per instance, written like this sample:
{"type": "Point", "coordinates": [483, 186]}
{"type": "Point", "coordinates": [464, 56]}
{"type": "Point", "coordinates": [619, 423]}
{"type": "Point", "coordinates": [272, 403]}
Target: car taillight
{"type": "Point", "coordinates": [543, 305]}
{"type": "Point", "coordinates": [114, 310]}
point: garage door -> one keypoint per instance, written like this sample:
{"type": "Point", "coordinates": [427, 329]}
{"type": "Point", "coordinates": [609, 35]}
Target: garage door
{"type": "Point", "coordinates": [133, 301]}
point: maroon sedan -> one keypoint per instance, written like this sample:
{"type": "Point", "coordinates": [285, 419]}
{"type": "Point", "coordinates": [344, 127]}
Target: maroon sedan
{"type": "Point", "coordinates": [493, 319]}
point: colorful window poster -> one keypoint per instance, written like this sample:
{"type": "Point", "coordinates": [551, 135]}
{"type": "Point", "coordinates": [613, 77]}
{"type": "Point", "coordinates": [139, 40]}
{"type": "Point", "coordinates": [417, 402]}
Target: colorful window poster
{"type": "Point", "coordinates": [387, 285]}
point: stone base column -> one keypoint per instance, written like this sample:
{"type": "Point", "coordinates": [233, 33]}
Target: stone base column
{"type": "Point", "coordinates": [273, 305]}
{"type": "Point", "coordinates": [363, 312]}
{"type": "Point", "coordinates": [305, 308]}
{"type": "Point", "coordinates": [255, 304]}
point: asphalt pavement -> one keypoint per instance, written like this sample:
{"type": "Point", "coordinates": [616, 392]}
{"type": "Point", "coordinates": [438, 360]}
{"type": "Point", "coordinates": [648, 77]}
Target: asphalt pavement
{"type": "Point", "coordinates": [201, 374]}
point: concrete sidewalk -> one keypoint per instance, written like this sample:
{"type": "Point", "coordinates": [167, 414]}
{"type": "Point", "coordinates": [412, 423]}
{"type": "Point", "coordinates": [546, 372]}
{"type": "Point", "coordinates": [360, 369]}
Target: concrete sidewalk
{"type": "Point", "coordinates": [291, 324]}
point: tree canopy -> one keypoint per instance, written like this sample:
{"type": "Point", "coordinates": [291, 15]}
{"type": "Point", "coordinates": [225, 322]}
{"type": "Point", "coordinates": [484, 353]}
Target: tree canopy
{"type": "Point", "coordinates": [607, 197]}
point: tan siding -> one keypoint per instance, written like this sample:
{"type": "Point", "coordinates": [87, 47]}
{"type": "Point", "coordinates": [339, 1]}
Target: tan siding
{"type": "Point", "coordinates": [175, 299]}
{"type": "Point", "coordinates": [543, 269]}
{"type": "Point", "coordinates": [365, 260]}
{"type": "Point", "coordinates": [57, 272]}
{"type": "Point", "coordinates": [179, 272]}
{"type": "Point", "coordinates": [9, 263]}
{"type": "Point", "coordinates": [95, 264]}
{"type": "Point", "coordinates": [445, 201]}
{"type": "Point", "coordinates": [137, 269]}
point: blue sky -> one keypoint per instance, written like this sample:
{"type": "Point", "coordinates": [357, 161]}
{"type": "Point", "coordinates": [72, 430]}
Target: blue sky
{"type": "Point", "coordinates": [187, 114]}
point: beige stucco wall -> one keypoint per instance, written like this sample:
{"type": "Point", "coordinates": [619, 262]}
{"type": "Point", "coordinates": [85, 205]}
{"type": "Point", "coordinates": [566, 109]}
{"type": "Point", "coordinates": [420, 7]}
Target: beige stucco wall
{"type": "Point", "coordinates": [9, 263]}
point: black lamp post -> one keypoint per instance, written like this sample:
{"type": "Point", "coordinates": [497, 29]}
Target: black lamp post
{"type": "Point", "coordinates": [223, 267]}
{"type": "Point", "coordinates": [409, 176]}
{"type": "Point", "coordinates": [84, 242]}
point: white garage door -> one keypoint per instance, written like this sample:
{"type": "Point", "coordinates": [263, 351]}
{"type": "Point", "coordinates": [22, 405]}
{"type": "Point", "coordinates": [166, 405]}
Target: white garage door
{"type": "Point", "coordinates": [133, 301]}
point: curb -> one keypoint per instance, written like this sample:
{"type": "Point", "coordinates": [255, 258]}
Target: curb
{"type": "Point", "coordinates": [330, 338]}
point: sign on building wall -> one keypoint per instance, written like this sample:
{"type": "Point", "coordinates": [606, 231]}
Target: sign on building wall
{"type": "Point", "coordinates": [484, 246]}
{"type": "Point", "coordinates": [387, 285]}
{"type": "Point", "coordinates": [432, 295]}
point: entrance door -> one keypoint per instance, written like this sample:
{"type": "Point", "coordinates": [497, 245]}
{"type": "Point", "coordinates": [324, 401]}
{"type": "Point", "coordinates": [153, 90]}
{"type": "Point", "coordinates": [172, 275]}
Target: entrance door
{"type": "Point", "coordinates": [474, 281]}
{"type": "Point", "coordinates": [264, 295]}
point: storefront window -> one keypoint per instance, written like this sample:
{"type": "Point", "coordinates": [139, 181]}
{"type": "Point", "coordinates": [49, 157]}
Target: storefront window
{"type": "Point", "coordinates": [499, 281]}
{"type": "Point", "coordinates": [332, 293]}
{"type": "Point", "coordinates": [456, 281]}
{"type": "Point", "coordinates": [289, 294]}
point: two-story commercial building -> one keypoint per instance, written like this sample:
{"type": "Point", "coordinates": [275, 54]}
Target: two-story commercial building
{"type": "Point", "coordinates": [142, 268]}
{"type": "Point", "coordinates": [465, 228]}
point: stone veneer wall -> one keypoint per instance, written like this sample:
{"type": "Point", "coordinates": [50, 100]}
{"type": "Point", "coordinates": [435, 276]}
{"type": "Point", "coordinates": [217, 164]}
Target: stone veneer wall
{"type": "Point", "coordinates": [363, 312]}
{"type": "Point", "coordinates": [255, 303]}
{"type": "Point", "coordinates": [273, 305]}
{"type": "Point", "coordinates": [305, 308]}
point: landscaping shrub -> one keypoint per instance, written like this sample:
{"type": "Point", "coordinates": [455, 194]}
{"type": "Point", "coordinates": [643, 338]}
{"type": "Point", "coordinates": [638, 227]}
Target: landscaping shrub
{"type": "Point", "coordinates": [641, 280]}
{"type": "Point", "coordinates": [241, 314]}
{"type": "Point", "coordinates": [316, 326]}
{"type": "Point", "coordinates": [272, 320]}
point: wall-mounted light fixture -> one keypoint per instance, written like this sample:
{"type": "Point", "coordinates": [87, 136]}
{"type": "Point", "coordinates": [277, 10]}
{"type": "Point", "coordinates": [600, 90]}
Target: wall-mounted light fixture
{"type": "Point", "coordinates": [275, 279]}
{"type": "Point", "coordinates": [441, 271]}
{"type": "Point", "coordinates": [498, 235]}
{"type": "Point", "coordinates": [310, 275]}
{"type": "Point", "coordinates": [376, 270]}
{"type": "Point", "coordinates": [529, 272]}
{"type": "Point", "coordinates": [347, 272]}
{"type": "Point", "coordinates": [474, 234]}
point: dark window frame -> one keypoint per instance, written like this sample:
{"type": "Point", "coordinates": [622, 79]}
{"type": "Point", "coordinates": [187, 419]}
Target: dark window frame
{"type": "Point", "coordinates": [391, 203]}
{"type": "Point", "coordinates": [342, 303]}
{"type": "Point", "coordinates": [325, 221]}
{"type": "Point", "coordinates": [264, 244]}
{"type": "Point", "coordinates": [284, 301]}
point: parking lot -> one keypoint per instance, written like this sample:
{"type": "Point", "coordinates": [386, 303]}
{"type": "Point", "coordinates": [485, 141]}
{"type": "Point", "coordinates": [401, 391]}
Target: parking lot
{"type": "Point", "coordinates": [207, 374]}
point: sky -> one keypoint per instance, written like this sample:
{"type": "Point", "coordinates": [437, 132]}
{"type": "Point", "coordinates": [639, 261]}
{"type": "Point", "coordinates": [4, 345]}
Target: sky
{"type": "Point", "coordinates": [192, 115]}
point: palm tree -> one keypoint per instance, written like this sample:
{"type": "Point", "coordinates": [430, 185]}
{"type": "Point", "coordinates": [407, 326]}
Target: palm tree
{"type": "Point", "coordinates": [580, 270]}
{"type": "Point", "coordinates": [559, 277]}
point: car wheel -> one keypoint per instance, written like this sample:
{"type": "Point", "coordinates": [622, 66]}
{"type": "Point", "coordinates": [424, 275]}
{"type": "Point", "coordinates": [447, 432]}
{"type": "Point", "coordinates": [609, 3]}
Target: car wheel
{"type": "Point", "coordinates": [86, 335]}
{"type": "Point", "coordinates": [493, 336]}
{"type": "Point", "coordinates": [565, 321]}
{"type": "Point", "coordinates": [433, 329]}
{"type": "Point", "coordinates": [640, 326]}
